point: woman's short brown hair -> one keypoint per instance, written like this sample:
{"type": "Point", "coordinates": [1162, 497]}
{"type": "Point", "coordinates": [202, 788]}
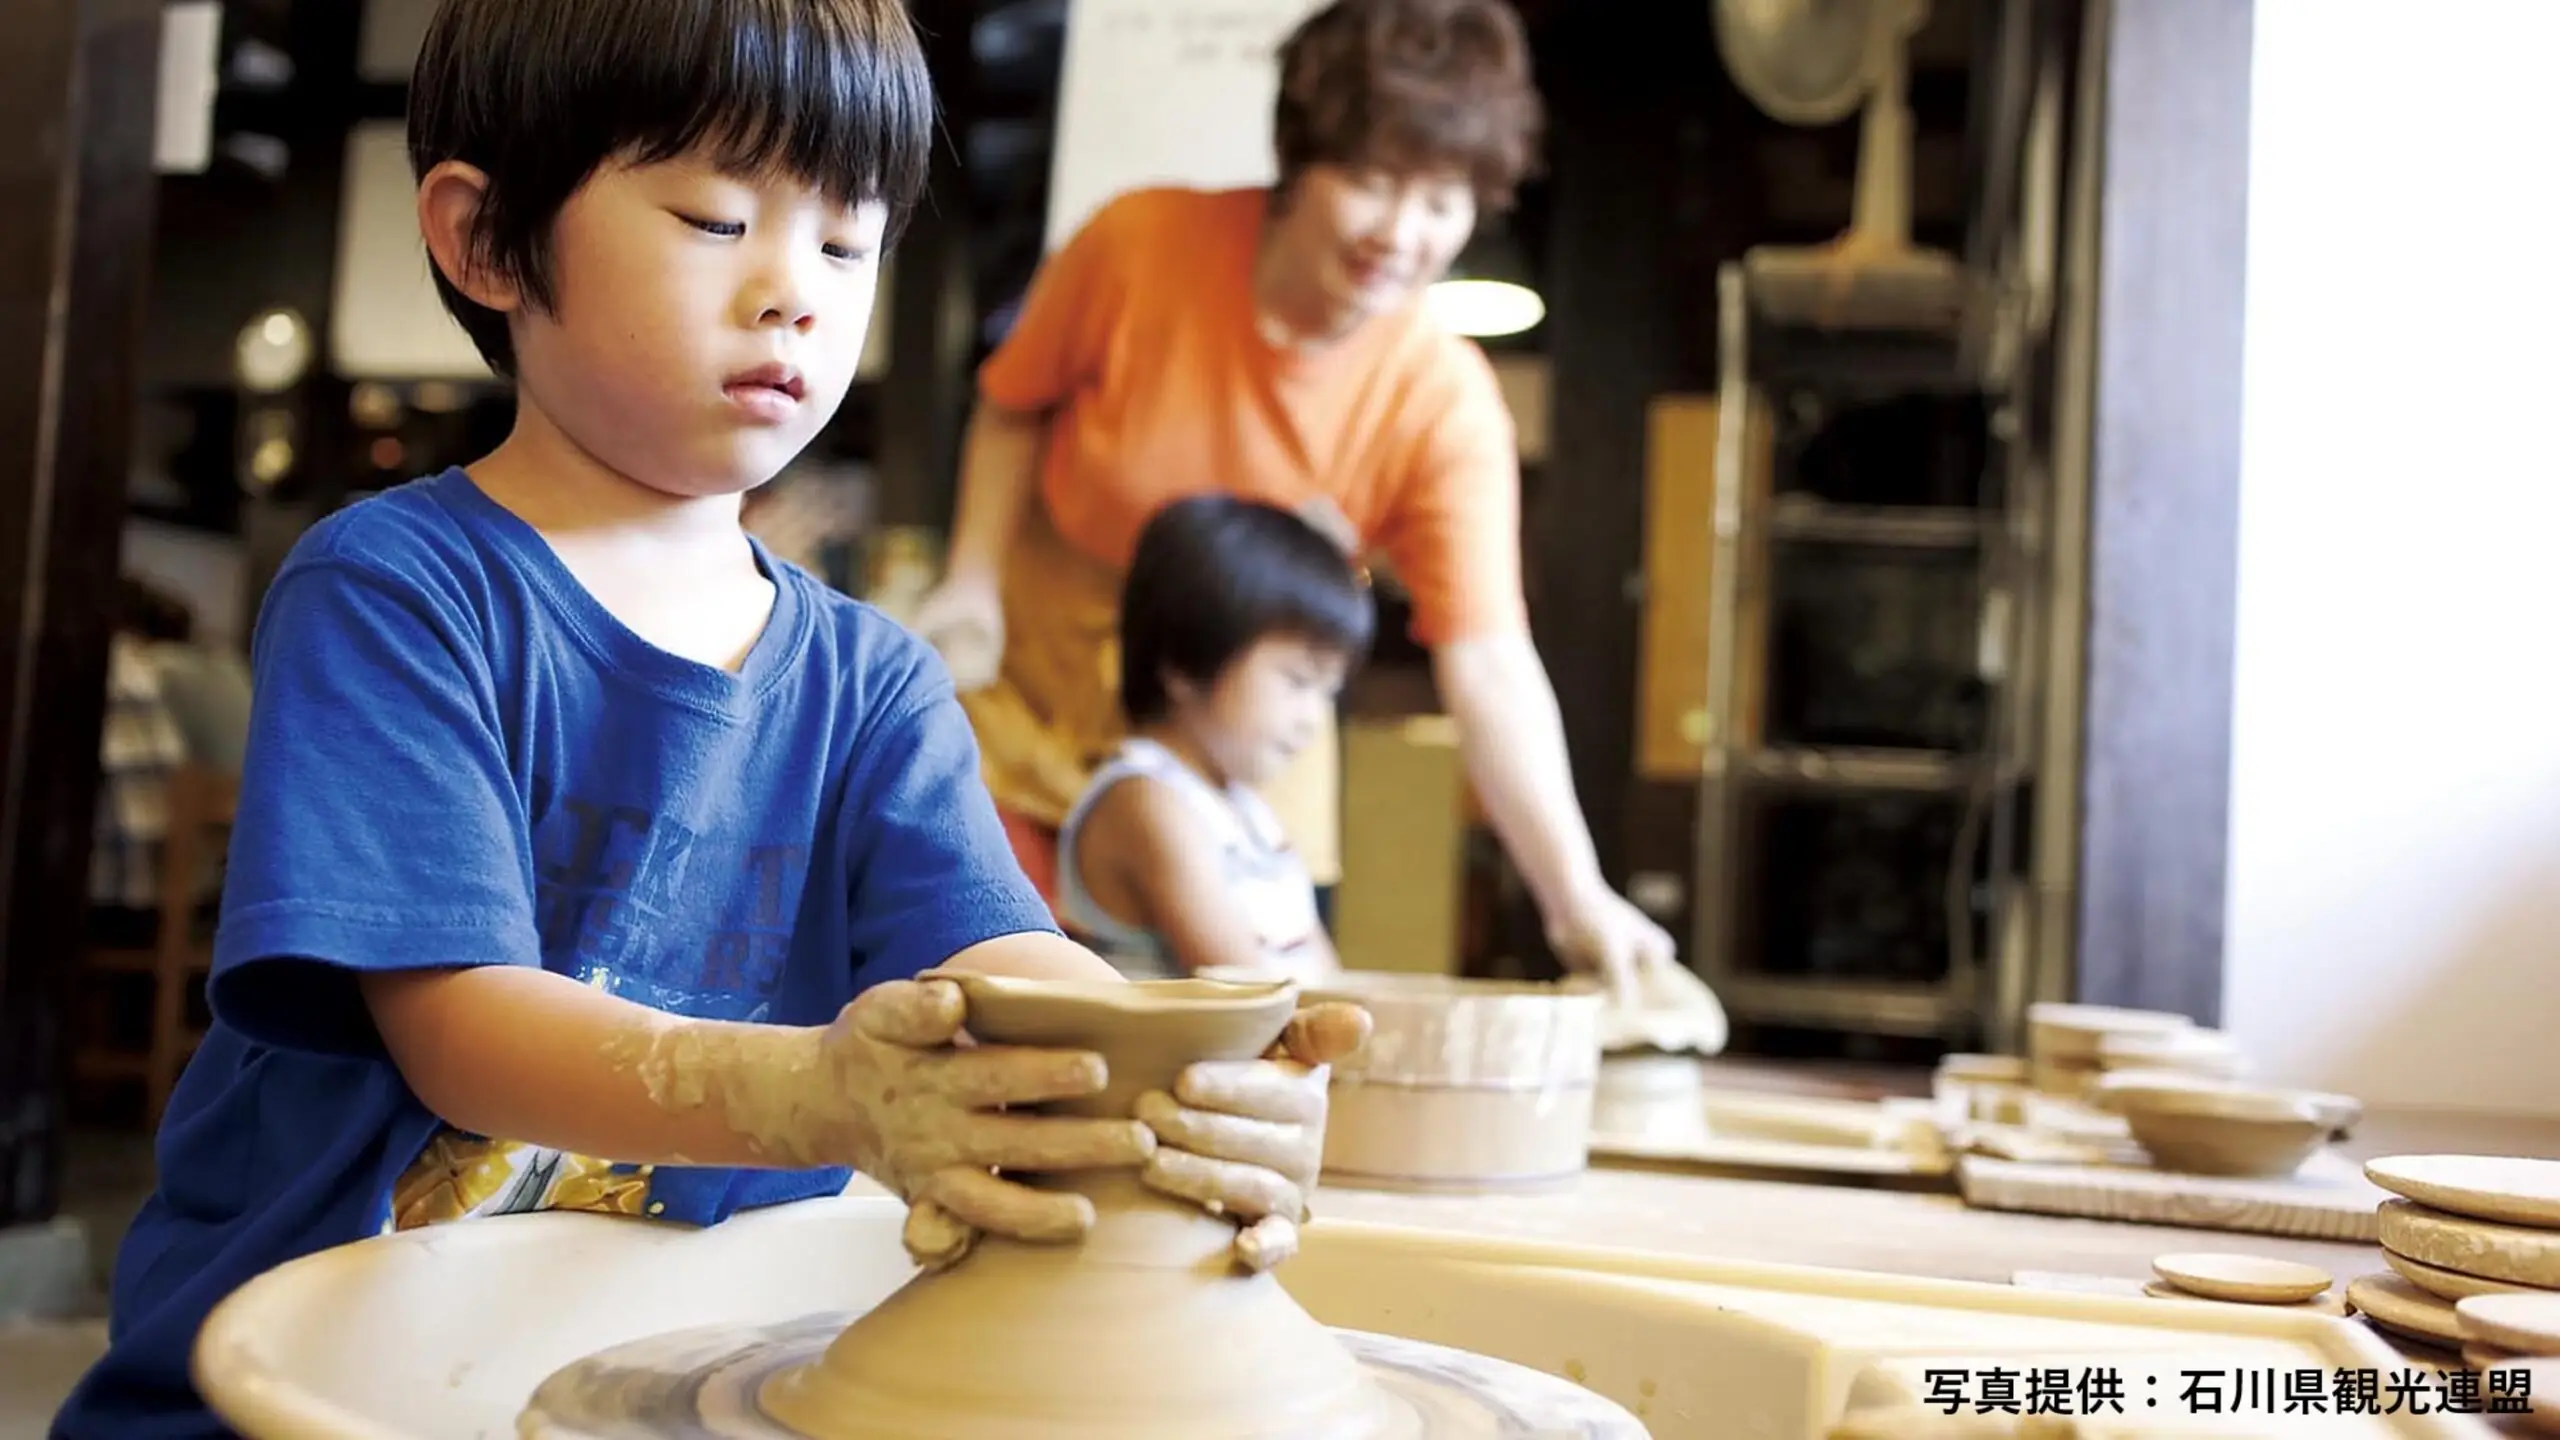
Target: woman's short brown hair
{"type": "Point", "coordinates": [1411, 85]}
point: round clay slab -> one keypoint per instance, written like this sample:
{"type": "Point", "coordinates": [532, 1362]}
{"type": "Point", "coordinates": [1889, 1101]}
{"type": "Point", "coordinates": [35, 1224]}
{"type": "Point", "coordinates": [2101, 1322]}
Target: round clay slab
{"type": "Point", "coordinates": [2248, 1279]}
{"type": "Point", "coordinates": [2317, 1305]}
{"type": "Point", "coordinates": [2515, 1253]}
{"type": "Point", "coordinates": [2451, 1284]}
{"type": "Point", "coordinates": [2395, 1304]}
{"type": "Point", "coordinates": [703, 1384]}
{"type": "Point", "coordinates": [2504, 1188]}
{"type": "Point", "coordinates": [2527, 1324]}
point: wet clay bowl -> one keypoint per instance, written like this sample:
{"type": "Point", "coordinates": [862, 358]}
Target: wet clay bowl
{"type": "Point", "coordinates": [2226, 1130]}
{"type": "Point", "coordinates": [1465, 1085]}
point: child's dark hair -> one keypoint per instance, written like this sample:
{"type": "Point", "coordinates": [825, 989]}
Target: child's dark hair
{"type": "Point", "coordinates": [1213, 575]}
{"type": "Point", "coordinates": [540, 93]}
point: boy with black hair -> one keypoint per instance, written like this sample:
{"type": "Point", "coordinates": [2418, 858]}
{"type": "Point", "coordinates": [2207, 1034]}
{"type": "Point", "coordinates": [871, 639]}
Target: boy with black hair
{"type": "Point", "coordinates": [1239, 622]}
{"type": "Point", "coordinates": [586, 854]}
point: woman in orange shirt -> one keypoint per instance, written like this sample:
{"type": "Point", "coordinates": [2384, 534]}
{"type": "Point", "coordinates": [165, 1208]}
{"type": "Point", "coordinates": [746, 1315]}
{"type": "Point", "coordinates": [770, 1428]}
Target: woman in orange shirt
{"type": "Point", "coordinates": [1273, 344]}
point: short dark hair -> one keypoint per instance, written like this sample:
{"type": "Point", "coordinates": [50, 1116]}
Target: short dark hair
{"type": "Point", "coordinates": [540, 93]}
{"type": "Point", "coordinates": [1409, 85]}
{"type": "Point", "coordinates": [1212, 576]}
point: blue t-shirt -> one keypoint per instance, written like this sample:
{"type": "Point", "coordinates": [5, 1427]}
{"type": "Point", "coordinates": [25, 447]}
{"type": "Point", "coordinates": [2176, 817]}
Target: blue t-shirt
{"type": "Point", "coordinates": [458, 757]}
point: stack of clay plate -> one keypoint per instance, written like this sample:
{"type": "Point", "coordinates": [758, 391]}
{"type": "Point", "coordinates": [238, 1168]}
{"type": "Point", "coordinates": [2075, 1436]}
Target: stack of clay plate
{"type": "Point", "coordinates": [2473, 1242]}
{"type": "Point", "coordinates": [1979, 1089]}
{"type": "Point", "coordinates": [2065, 1042]}
{"type": "Point", "coordinates": [2243, 1280]}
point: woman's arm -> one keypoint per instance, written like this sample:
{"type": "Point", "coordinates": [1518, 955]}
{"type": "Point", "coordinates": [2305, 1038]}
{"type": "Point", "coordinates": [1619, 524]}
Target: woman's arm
{"type": "Point", "coordinates": [1141, 845]}
{"type": "Point", "coordinates": [999, 466]}
{"type": "Point", "coordinates": [1512, 741]}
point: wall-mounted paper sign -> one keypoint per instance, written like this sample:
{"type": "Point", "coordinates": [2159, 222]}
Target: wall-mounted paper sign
{"type": "Point", "coordinates": [190, 74]}
{"type": "Point", "coordinates": [386, 322]}
{"type": "Point", "coordinates": [1164, 92]}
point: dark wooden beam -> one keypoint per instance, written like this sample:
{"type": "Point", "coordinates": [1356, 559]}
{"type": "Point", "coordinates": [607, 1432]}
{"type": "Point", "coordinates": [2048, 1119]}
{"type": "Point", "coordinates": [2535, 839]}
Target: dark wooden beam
{"type": "Point", "coordinates": [2164, 504]}
{"type": "Point", "coordinates": [930, 307]}
{"type": "Point", "coordinates": [78, 86]}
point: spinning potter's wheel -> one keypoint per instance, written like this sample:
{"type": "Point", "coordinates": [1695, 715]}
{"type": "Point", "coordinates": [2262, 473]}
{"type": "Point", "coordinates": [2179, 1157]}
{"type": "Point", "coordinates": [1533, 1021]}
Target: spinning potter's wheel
{"type": "Point", "coordinates": [1147, 1330]}
{"type": "Point", "coordinates": [705, 1384]}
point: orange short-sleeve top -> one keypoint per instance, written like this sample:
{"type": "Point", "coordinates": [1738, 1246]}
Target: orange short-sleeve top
{"type": "Point", "coordinates": [1138, 338]}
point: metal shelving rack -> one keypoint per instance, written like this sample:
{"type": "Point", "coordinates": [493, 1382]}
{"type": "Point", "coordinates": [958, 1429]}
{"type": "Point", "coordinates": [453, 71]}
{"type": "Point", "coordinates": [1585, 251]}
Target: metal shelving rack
{"type": "Point", "coordinates": [1964, 336]}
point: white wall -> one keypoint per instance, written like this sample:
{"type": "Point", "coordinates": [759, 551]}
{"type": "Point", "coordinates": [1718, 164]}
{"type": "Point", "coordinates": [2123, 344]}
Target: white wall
{"type": "Point", "coordinates": [1164, 92]}
{"type": "Point", "coordinates": [2395, 828]}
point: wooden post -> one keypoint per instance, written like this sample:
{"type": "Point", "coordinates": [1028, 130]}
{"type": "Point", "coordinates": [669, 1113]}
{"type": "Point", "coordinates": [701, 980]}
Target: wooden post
{"type": "Point", "coordinates": [2164, 505]}
{"type": "Point", "coordinates": [78, 91]}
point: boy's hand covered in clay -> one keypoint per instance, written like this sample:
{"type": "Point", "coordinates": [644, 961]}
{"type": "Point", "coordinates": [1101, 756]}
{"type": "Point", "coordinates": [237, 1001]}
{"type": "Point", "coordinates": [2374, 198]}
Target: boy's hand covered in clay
{"type": "Point", "coordinates": [922, 1121]}
{"type": "Point", "coordinates": [1246, 1138]}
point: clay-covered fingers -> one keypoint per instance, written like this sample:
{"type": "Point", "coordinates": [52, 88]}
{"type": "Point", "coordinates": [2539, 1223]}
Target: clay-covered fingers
{"type": "Point", "coordinates": [987, 1202]}
{"type": "Point", "coordinates": [986, 1076]}
{"type": "Point", "coordinates": [1280, 1146]}
{"type": "Point", "coordinates": [1281, 1091]}
{"type": "Point", "coordinates": [1248, 1192]}
{"type": "Point", "coordinates": [916, 1014]}
{"type": "Point", "coordinates": [1325, 1032]}
{"type": "Point", "coordinates": [1048, 1144]}
{"type": "Point", "coordinates": [1266, 1242]}
{"type": "Point", "coordinates": [935, 1237]}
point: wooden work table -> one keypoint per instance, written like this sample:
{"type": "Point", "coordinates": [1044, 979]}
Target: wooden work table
{"type": "Point", "coordinates": [1838, 1226]}
{"type": "Point", "coordinates": [1856, 1227]}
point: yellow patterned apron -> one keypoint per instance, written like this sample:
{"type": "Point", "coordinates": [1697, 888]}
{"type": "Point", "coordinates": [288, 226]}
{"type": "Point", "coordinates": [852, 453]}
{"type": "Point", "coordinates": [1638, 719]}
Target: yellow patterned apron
{"type": "Point", "coordinates": [1052, 717]}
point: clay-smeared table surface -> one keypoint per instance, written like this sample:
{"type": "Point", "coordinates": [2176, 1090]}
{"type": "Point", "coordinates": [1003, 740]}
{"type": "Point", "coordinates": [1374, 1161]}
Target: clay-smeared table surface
{"type": "Point", "coordinates": [1845, 1226]}
{"type": "Point", "coordinates": [1836, 1226]}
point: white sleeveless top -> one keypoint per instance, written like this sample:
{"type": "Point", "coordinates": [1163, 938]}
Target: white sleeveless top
{"type": "Point", "coordinates": [1265, 879]}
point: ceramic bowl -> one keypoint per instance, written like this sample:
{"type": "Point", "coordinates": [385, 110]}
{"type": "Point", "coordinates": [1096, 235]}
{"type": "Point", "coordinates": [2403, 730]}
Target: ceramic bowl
{"type": "Point", "coordinates": [2119, 1092]}
{"type": "Point", "coordinates": [2223, 1129]}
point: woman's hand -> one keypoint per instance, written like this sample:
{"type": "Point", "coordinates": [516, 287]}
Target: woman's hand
{"type": "Point", "coordinates": [1246, 1138]}
{"type": "Point", "coordinates": [1597, 932]}
{"type": "Point", "coordinates": [963, 619]}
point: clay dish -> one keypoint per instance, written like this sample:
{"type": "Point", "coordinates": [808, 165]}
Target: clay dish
{"type": "Point", "coordinates": [2487, 1357]}
{"type": "Point", "coordinates": [2248, 1279]}
{"type": "Point", "coordinates": [2225, 1130]}
{"type": "Point", "coordinates": [2451, 1284]}
{"type": "Point", "coordinates": [2317, 1305]}
{"type": "Point", "coordinates": [2404, 1309]}
{"type": "Point", "coordinates": [2518, 1254]}
{"type": "Point", "coordinates": [2505, 1188]}
{"type": "Point", "coordinates": [2528, 1324]}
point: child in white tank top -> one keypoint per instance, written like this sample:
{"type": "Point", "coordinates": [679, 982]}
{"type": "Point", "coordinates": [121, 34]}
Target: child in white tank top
{"type": "Point", "coordinates": [1238, 624]}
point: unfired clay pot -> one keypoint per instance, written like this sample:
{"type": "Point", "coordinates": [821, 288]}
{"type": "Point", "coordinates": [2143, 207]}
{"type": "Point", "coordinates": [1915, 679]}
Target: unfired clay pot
{"type": "Point", "coordinates": [1652, 1095]}
{"type": "Point", "coordinates": [1148, 1328]}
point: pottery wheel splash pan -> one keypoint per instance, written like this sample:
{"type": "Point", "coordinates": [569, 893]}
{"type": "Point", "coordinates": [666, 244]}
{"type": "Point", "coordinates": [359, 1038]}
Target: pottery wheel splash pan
{"type": "Point", "coordinates": [704, 1384]}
